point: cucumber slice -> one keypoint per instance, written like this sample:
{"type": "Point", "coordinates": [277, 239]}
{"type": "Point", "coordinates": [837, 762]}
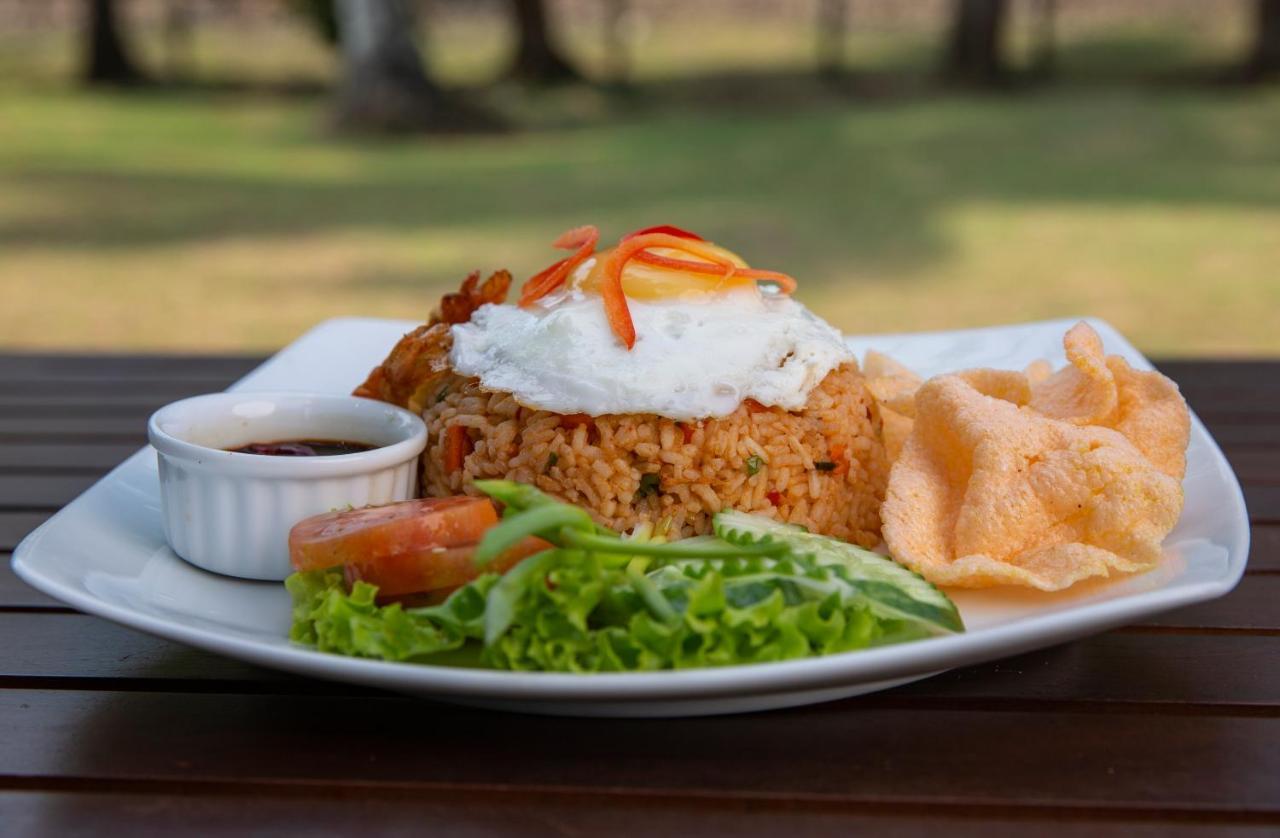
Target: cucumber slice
{"type": "Point", "coordinates": [890, 589]}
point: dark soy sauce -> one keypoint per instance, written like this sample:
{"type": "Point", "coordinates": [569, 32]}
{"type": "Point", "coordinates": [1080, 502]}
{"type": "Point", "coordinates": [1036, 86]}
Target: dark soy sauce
{"type": "Point", "coordinates": [303, 448]}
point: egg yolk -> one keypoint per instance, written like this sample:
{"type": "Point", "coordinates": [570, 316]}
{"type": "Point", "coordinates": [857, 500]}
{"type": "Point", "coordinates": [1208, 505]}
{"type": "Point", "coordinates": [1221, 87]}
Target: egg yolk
{"type": "Point", "coordinates": [650, 282]}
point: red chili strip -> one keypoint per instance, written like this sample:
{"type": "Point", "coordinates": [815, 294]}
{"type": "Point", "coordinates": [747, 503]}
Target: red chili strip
{"type": "Point", "coordinates": [669, 229]}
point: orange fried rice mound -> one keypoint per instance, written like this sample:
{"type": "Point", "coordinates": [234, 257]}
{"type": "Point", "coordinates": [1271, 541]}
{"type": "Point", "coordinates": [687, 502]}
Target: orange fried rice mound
{"type": "Point", "coordinates": [823, 467]}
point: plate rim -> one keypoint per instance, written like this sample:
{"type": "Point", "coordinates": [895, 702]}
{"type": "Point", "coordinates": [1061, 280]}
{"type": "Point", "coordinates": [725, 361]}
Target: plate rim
{"type": "Point", "coordinates": [775, 678]}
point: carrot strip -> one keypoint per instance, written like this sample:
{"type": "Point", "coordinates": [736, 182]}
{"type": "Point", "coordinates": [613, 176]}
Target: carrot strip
{"type": "Point", "coordinates": [457, 445]}
{"type": "Point", "coordinates": [841, 457]}
{"type": "Point", "coordinates": [573, 420]}
{"type": "Point", "coordinates": [585, 236]}
{"type": "Point", "coordinates": [615, 300]}
{"type": "Point", "coordinates": [583, 240]}
{"type": "Point", "coordinates": [786, 284]}
{"type": "Point", "coordinates": [723, 267]}
{"type": "Point", "coordinates": [616, 310]}
{"type": "Point", "coordinates": [543, 283]}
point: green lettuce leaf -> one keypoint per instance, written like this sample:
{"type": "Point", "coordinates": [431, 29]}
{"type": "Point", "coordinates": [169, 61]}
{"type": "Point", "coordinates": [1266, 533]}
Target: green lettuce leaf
{"type": "Point", "coordinates": [328, 617]}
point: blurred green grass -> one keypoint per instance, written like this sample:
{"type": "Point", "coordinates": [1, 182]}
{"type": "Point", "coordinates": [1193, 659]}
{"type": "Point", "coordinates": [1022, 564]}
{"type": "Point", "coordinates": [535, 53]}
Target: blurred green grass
{"type": "Point", "coordinates": [200, 220]}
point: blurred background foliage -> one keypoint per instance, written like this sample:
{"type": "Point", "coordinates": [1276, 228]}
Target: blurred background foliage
{"type": "Point", "coordinates": [223, 174]}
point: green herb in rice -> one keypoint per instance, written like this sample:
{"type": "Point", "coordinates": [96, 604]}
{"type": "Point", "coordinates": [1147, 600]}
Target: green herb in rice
{"type": "Point", "coordinates": [649, 484]}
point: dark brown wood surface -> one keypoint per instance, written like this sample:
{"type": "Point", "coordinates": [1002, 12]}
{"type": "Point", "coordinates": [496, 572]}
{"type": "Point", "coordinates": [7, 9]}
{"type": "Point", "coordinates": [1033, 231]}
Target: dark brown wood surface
{"type": "Point", "coordinates": [1171, 726]}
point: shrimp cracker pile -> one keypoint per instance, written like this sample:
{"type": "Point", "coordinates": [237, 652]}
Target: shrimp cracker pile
{"type": "Point", "coordinates": [1032, 478]}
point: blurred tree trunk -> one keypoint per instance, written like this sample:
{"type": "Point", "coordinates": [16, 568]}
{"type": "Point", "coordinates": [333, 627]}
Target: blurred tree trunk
{"type": "Point", "coordinates": [617, 60]}
{"type": "Point", "coordinates": [107, 60]}
{"type": "Point", "coordinates": [1045, 59]}
{"type": "Point", "coordinates": [537, 59]}
{"type": "Point", "coordinates": [384, 88]}
{"type": "Point", "coordinates": [177, 38]}
{"type": "Point", "coordinates": [321, 16]}
{"type": "Point", "coordinates": [973, 52]}
{"type": "Point", "coordinates": [833, 29]}
{"type": "Point", "coordinates": [1264, 60]}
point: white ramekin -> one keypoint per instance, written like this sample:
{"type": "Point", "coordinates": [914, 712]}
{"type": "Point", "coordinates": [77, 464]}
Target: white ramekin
{"type": "Point", "coordinates": [231, 513]}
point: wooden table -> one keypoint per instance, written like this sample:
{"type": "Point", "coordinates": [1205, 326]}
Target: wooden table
{"type": "Point", "coordinates": [1168, 726]}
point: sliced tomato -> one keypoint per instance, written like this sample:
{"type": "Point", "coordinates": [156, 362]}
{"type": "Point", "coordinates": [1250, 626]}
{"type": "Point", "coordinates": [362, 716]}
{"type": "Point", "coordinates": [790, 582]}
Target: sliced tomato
{"type": "Point", "coordinates": [384, 532]}
{"type": "Point", "coordinates": [435, 568]}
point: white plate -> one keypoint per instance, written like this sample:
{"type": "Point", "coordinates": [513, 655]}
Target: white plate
{"type": "Point", "coordinates": [105, 554]}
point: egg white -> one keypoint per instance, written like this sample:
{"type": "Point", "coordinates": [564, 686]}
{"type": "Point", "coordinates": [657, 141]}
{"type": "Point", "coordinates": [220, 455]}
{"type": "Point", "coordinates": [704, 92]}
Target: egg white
{"type": "Point", "coordinates": [692, 359]}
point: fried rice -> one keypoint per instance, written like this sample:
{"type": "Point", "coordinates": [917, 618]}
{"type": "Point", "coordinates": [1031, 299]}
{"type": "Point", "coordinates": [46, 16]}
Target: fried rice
{"type": "Point", "coordinates": [823, 467]}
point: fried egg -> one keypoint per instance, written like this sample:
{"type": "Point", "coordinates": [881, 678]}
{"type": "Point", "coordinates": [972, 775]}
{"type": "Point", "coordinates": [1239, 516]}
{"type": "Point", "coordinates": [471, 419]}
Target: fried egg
{"type": "Point", "coordinates": [701, 349]}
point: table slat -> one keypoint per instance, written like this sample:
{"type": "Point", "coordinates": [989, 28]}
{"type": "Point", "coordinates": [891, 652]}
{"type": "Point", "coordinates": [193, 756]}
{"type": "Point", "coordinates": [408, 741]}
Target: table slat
{"type": "Point", "coordinates": [840, 751]}
{"type": "Point", "coordinates": [16, 594]}
{"type": "Point", "coordinates": [150, 808]}
{"type": "Point", "coordinates": [52, 366]}
{"type": "Point", "coordinates": [87, 457]}
{"type": "Point", "coordinates": [89, 388]}
{"type": "Point", "coordinates": [14, 526]}
{"type": "Point", "coordinates": [1254, 604]}
{"type": "Point", "coordinates": [1264, 549]}
{"type": "Point", "coordinates": [1227, 672]}
{"type": "Point", "coordinates": [74, 425]}
{"type": "Point", "coordinates": [1256, 374]}
{"type": "Point", "coordinates": [43, 491]}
